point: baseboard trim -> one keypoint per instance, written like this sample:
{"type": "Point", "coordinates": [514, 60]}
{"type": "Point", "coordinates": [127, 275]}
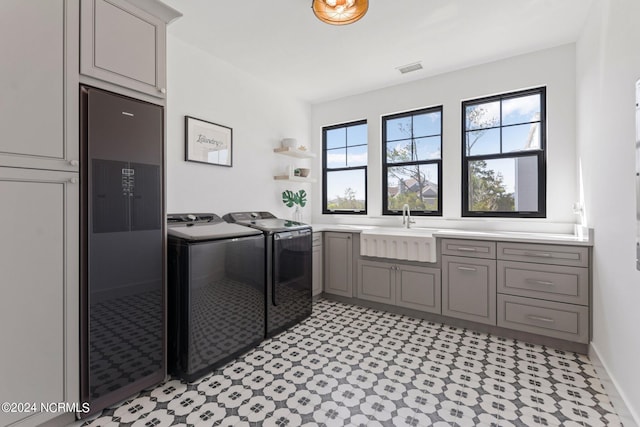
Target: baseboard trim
{"type": "Point", "coordinates": [618, 400]}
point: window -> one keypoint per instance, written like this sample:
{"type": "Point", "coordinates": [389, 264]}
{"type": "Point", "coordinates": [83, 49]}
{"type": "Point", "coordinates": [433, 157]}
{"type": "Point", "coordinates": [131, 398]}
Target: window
{"type": "Point", "coordinates": [412, 162]}
{"type": "Point", "coordinates": [503, 160]}
{"type": "Point", "coordinates": [344, 166]}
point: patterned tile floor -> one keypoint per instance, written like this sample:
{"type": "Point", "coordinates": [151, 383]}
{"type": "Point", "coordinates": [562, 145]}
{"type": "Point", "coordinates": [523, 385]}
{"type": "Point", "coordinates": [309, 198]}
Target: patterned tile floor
{"type": "Point", "coordinates": [350, 365]}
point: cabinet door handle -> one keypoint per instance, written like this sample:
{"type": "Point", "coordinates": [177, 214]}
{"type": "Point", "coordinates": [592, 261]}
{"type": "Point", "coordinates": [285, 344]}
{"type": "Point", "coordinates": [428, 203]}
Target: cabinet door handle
{"type": "Point", "coordinates": [74, 163]}
{"type": "Point", "coordinates": [465, 249]}
{"type": "Point", "coordinates": [162, 90]}
{"type": "Point", "coordinates": [540, 282]}
{"type": "Point", "coordinates": [73, 180]}
{"type": "Point", "coordinates": [540, 318]}
{"type": "Point", "coordinates": [539, 254]}
{"type": "Point", "coordinates": [463, 268]}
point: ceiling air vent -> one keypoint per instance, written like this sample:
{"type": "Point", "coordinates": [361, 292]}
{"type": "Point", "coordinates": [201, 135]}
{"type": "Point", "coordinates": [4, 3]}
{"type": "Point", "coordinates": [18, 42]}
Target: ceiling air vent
{"type": "Point", "coordinates": [404, 69]}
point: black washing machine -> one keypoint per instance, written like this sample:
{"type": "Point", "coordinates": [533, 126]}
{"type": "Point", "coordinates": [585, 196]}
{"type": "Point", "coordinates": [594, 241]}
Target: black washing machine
{"type": "Point", "coordinates": [288, 267]}
{"type": "Point", "coordinates": [216, 292]}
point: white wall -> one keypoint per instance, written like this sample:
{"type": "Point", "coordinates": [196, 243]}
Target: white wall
{"type": "Point", "coordinates": [608, 64]}
{"type": "Point", "coordinates": [553, 68]}
{"type": "Point", "coordinates": [203, 86]}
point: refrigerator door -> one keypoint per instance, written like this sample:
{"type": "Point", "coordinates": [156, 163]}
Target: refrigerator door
{"type": "Point", "coordinates": [123, 286]}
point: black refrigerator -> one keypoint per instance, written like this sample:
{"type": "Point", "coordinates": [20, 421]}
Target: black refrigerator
{"type": "Point", "coordinates": [123, 343]}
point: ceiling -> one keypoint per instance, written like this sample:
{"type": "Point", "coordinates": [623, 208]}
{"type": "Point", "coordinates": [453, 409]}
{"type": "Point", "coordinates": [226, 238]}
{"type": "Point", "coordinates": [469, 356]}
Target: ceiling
{"type": "Point", "coordinates": [284, 44]}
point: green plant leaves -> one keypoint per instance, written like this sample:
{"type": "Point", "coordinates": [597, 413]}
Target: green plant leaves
{"type": "Point", "coordinates": [302, 198]}
{"type": "Point", "coordinates": [290, 198]}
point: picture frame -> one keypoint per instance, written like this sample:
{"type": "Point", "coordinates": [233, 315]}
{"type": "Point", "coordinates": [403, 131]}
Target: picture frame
{"type": "Point", "coordinates": [208, 142]}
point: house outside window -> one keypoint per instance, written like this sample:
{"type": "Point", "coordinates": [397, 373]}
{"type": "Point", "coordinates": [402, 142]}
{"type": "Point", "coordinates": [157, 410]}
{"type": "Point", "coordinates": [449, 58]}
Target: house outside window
{"type": "Point", "coordinates": [344, 167]}
{"type": "Point", "coordinates": [412, 162]}
{"type": "Point", "coordinates": [503, 155]}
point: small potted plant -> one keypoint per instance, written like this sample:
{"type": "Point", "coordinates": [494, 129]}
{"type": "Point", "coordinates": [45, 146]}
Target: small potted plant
{"type": "Point", "coordinates": [299, 199]}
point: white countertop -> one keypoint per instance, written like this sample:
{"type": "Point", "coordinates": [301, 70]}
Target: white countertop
{"type": "Point", "coordinates": [507, 236]}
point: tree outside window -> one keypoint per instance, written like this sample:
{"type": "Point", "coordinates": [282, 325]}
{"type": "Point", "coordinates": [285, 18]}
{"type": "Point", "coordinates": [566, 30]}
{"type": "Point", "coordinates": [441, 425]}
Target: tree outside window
{"type": "Point", "coordinates": [504, 170]}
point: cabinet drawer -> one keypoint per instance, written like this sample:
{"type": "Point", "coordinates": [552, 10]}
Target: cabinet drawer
{"type": "Point", "coordinates": [317, 239]}
{"type": "Point", "coordinates": [552, 319]}
{"type": "Point", "coordinates": [546, 254]}
{"type": "Point", "coordinates": [469, 248]}
{"type": "Point", "coordinates": [549, 282]}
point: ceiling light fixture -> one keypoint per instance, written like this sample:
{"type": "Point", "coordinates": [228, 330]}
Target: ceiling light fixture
{"type": "Point", "coordinates": [339, 12]}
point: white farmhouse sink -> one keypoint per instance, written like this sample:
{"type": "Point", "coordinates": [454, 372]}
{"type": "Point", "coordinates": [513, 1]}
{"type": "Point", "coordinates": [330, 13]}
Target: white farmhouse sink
{"type": "Point", "coordinates": [409, 244]}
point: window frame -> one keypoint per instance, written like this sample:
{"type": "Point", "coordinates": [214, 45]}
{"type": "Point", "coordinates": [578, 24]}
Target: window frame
{"type": "Point", "coordinates": [386, 166]}
{"type": "Point", "coordinates": [540, 153]}
{"type": "Point", "coordinates": [326, 211]}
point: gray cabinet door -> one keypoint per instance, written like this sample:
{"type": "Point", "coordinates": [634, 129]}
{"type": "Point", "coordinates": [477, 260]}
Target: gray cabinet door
{"type": "Point", "coordinates": [338, 264]}
{"type": "Point", "coordinates": [122, 44]}
{"type": "Point", "coordinates": [316, 274]}
{"type": "Point", "coordinates": [39, 297]}
{"type": "Point", "coordinates": [469, 289]}
{"type": "Point", "coordinates": [32, 104]}
{"type": "Point", "coordinates": [418, 288]}
{"type": "Point", "coordinates": [376, 281]}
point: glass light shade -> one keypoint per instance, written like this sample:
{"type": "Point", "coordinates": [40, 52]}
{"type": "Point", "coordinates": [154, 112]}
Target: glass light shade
{"type": "Point", "coordinates": [340, 12]}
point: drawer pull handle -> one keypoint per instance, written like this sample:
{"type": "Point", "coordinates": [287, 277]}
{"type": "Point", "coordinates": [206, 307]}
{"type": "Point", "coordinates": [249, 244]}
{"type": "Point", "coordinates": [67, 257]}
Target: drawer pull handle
{"type": "Point", "coordinates": [463, 268]}
{"type": "Point", "coordinates": [541, 319]}
{"type": "Point", "coordinates": [539, 254]}
{"type": "Point", "coordinates": [463, 249]}
{"type": "Point", "coordinates": [540, 282]}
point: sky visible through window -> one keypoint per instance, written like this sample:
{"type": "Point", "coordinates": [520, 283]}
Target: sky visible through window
{"type": "Point", "coordinates": [521, 131]}
{"type": "Point", "coordinates": [346, 147]}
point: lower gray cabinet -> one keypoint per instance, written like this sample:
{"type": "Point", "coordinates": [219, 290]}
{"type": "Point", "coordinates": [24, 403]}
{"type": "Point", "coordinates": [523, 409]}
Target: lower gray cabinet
{"type": "Point", "coordinates": [316, 264]}
{"type": "Point", "coordinates": [376, 281]}
{"type": "Point", "coordinates": [39, 261]}
{"type": "Point", "coordinates": [554, 319]}
{"type": "Point", "coordinates": [469, 288]}
{"type": "Point", "coordinates": [418, 288]}
{"type": "Point", "coordinates": [338, 264]}
{"type": "Point", "coordinates": [407, 286]}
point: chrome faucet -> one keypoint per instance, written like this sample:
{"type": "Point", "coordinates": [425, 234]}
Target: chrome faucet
{"type": "Point", "coordinates": [407, 221]}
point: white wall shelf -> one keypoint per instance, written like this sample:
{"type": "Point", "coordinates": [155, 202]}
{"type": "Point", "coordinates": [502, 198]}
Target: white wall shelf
{"type": "Point", "coordinates": [293, 178]}
{"type": "Point", "coordinates": [287, 151]}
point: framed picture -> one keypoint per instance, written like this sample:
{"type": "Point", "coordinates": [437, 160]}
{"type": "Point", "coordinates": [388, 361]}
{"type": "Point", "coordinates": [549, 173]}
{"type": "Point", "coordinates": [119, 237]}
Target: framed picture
{"type": "Point", "coordinates": [207, 142]}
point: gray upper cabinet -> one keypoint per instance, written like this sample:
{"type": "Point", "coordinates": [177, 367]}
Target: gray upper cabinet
{"type": "Point", "coordinates": [123, 43]}
{"type": "Point", "coordinates": [32, 105]}
{"type": "Point", "coordinates": [469, 288]}
{"type": "Point", "coordinates": [338, 264]}
{"type": "Point", "coordinates": [39, 297]}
